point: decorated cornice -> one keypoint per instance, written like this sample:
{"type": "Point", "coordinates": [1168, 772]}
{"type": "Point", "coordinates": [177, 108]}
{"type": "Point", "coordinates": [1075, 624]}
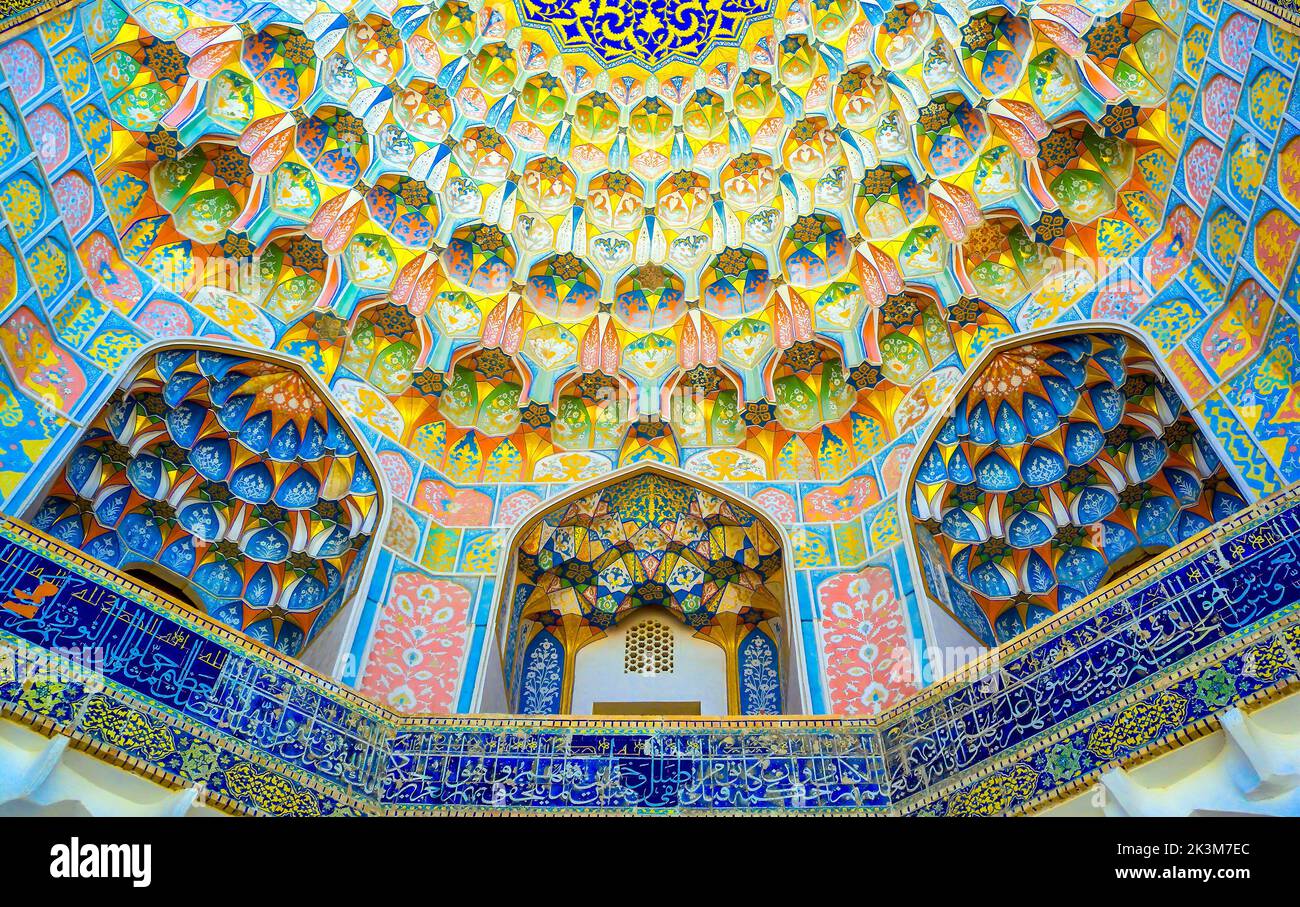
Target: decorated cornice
{"type": "Point", "coordinates": [1285, 13]}
{"type": "Point", "coordinates": [20, 15]}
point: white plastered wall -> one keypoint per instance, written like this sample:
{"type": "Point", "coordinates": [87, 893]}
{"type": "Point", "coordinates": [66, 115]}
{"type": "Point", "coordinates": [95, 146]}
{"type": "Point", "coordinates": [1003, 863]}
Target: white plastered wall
{"type": "Point", "coordinates": [699, 669]}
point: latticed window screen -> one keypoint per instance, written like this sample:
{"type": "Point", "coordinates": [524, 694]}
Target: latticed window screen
{"type": "Point", "coordinates": [649, 649]}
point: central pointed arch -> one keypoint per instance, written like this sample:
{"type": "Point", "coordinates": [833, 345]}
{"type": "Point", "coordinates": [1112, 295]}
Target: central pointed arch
{"type": "Point", "coordinates": [646, 540]}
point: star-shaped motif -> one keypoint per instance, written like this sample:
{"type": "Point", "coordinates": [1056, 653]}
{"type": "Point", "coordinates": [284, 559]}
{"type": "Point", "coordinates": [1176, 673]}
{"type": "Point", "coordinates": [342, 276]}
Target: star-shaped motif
{"type": "Point", "coordinates": [535, 415]}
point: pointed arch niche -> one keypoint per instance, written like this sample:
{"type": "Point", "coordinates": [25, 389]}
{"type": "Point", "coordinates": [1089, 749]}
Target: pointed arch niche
{"type": "Point", "coordinates": [647, 591]}
{"type": "Point", "coordinates": [229, 479]}
{"type": "Point", "coordinates": [1064, 459]}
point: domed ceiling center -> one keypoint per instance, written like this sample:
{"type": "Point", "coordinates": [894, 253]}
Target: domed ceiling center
{"type": "Point", "coordinates": [648, 32]}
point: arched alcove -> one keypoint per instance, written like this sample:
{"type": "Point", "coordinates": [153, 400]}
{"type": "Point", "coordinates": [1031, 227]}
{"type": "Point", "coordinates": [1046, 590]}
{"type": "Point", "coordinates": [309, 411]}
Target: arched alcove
{"type": "Point", "coordinates": [1065, 459]}
{"type": "Point", "coordinates": [589, 568]}
{"type": "Point", "coordinates": [650, 663]}
{"type": "Point", "coordinates": [165, 582]}
{"type": "Point", "coordinates": [229, 474]}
